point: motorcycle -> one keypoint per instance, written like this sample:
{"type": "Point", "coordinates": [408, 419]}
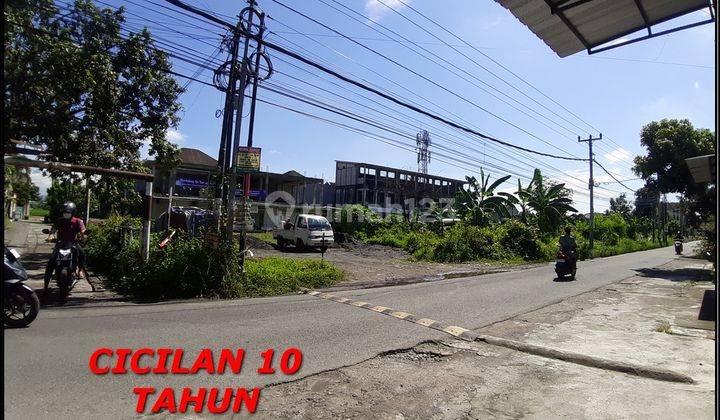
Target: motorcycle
{"type": "Point", "coordinates": [565, 264]}
{"type": "Point", "coordinates": [678, 247]}
{"type": "Point", "coordinates": [20, 302]}
{"type": "Point", "coordinates": [66, 263]}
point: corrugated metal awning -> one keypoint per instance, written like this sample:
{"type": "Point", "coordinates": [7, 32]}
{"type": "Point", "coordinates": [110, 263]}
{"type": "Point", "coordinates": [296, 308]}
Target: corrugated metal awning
{"type": "Point", "coordinates": [570, 26]}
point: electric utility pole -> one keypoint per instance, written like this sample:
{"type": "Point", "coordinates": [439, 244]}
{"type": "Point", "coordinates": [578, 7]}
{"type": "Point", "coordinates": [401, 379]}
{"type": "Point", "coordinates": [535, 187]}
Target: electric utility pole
{"type": "Point", "coordinates": [591, 186]}
{"type": "Point", "coordinates": [239, 71]}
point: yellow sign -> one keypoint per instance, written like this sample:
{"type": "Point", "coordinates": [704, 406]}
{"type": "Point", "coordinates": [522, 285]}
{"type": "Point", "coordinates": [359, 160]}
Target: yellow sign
{"type": "Point", "coordinates": [247, 160]}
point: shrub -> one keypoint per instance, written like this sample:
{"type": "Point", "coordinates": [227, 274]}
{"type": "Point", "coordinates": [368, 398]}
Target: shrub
{"type": "Point", "coordinates": [190, 267]}
{"type": "Point", "coordinates": [421, 245]}
{"type": "Point", "coordinates": [520, 239]}
{"type": "Point", "coordinates": [106, 243]}
{"type": "Point", "coordinates": [610, 227]}
{"type": "Point", "coordinates": [356, 218]}
{"type": "Point", "coordinates": [395, 235]}
{"type": "Point", "coordinates": [463, 242]}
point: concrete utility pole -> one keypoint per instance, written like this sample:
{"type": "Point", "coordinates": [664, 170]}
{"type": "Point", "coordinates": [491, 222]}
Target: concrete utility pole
{"type": "Point", "coordinates": [87, 200]}
{"type": "Point", "coordinates": [591, 186]}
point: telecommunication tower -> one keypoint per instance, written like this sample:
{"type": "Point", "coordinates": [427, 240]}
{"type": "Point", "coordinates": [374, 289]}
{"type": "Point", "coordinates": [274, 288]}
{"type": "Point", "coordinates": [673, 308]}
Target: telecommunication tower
{"type": "Point", "coordinates": [423, 154]}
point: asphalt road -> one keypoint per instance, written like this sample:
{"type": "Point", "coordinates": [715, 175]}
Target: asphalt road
{"type": "Point", "coordinates": [46, 365]}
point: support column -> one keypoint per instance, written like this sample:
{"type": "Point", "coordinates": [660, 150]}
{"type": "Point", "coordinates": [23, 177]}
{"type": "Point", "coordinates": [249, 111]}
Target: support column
{"type": "Point", "coordinates": [145, 240]}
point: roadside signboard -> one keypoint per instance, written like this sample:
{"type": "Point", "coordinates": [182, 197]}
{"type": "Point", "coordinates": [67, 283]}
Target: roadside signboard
{"type": "Point", "coordinates": [247, 160]}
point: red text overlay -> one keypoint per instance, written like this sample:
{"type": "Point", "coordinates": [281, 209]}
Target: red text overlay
{"type": "Point", "coordinates": [166, 361]}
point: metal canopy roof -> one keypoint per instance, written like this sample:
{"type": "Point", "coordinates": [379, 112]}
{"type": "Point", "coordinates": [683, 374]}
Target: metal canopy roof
{"type": "Point", "coordinates": [570, 26]}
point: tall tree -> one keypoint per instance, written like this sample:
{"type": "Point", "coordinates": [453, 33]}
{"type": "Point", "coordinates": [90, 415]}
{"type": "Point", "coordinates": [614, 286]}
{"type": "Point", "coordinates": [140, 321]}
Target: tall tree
{"type": "Point", "coordinates": [668, 143]}
{"type": "Point", "coordinates": [621, 205]}
{"type": "Point", "coordinates": [88, 94]}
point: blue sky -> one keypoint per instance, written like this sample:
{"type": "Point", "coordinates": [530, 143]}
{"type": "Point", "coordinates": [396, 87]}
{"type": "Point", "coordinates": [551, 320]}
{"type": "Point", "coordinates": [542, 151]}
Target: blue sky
{"type": "Point", "coordinates": [616, 91]}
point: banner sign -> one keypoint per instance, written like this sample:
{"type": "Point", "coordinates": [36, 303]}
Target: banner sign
{"type": "Point", "coordinates": [247, 160]}
{"type": "Point", "coordinates": [192, 182]}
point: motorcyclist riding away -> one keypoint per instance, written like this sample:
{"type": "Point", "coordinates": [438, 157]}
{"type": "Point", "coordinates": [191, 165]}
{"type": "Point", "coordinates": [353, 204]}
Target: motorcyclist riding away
{"type": "Point", "coordinates": [69, 230]}
{"type": "Point", "coordinates": [568, 245]}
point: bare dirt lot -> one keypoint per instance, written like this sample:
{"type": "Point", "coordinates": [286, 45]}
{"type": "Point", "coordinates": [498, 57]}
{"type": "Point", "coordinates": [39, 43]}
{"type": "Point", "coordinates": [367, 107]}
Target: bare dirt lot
{"type": "Point", "coordinates": [378, 265]}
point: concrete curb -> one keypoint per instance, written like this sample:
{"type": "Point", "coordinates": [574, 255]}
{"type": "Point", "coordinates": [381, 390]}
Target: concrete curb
{"type": "Point", "coordinates": [467, 335]}
{"type": "Point", "coordinates": [590, 361]}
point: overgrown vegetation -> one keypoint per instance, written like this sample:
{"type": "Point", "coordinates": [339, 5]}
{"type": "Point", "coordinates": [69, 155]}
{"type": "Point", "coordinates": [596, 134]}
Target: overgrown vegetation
{"type": "Point", "coordinates": [191, 267]}
{"type": "Point", "coordinates": [489, 229]}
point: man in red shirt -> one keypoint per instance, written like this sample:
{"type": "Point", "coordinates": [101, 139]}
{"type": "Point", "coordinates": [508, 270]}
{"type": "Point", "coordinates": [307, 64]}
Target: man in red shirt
{"type": "Point", "coordinates": [68, 228]}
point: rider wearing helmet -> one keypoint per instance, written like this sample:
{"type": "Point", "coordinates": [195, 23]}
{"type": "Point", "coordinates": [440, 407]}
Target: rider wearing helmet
{"type": "Point", "coordinates": [69, 228]}
{"type": "Point", "coordinates": [568, 244]}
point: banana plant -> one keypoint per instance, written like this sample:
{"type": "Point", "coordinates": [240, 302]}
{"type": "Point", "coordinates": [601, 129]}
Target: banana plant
{"type": "Point", "coordinates": [479, 203]}
{"type": "Point", "coordinates": [550, 203]}
{"type": "Point", "coordinates": [518, 199]}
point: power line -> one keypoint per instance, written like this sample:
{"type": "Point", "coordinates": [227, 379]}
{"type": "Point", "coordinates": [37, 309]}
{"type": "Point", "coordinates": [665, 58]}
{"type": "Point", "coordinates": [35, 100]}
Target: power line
{"type": "Point", "coordinates": [427, 79]}
{"type": "Point", "coordinates": [613, 176]}
{"type": "Point", "coordinates": [526, 156]}
{"type": "Point", "coordinates": [375, 26]}
{"type": "Point", "coordinates": [404, 3]}
{"type": "Point", "coordinates": [405, 117]}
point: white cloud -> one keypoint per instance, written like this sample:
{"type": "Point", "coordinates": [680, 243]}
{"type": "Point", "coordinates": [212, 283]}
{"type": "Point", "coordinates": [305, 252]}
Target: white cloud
{"type": "Point", "coordinates": [696, 85]}
{"type": "Point", "coordinates": [174, 136]}
{"type": "Point", "coordinates": [618, 155]}
{"type": "Point", "coordinates": [41, 181]}
{"type": "Point", "coordinates": [375, 9]}
{"type": "Point", "coordinates": [577, 181]}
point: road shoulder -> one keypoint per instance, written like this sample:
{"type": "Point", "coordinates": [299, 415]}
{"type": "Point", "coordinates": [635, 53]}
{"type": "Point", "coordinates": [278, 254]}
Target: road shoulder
{"type": "Point", "coordinates": [649, 319]}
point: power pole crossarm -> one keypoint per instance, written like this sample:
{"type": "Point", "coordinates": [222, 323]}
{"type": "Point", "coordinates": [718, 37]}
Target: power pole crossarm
{"type": "Point", "coordinates": [591, 187]}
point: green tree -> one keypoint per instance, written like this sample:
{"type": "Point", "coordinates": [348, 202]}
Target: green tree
{"type": "Point", "coordinates": [479, 203]}
{"type": "Point", "coordinates": [621, 206]}
{"type": "Point", "coordinates": [550, 202]}
{"type": "Point", "coordinates": [88, 94]}
{"type": "Point", "coordinates": [62, 191]}
{"type": "Point", "coordinates": [668, 144]}
{"type": "Point", "coordinates": [18, 182]}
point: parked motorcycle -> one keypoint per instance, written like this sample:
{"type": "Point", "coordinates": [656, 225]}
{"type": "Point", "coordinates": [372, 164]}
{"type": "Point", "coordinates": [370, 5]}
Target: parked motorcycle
{"type": "Point", "coordinates": [678, 247]}
{"type": "Point", "coordinates": [66, 263]}
{"type": "Point", "coordinates": [20, 302]}
{"type": "Point", "coordinates": [565, 264]}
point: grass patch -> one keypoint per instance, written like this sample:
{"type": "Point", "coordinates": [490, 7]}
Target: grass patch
{"type": "Point", "coordinates": [7, 222]}
{"type": "Point", "coordinates": [38, 212]}
{"type": "Point", "coordinates": [277, 276]}
{"type": "Point", "coordinates": [266, 237]}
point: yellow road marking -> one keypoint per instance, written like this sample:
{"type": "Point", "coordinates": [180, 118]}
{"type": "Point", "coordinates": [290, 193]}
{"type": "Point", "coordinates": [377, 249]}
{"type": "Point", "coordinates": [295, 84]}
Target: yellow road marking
{"type": "Point", "coordinates": [426, 322]}
{"type": "Point", "coordinates": [456, 331]}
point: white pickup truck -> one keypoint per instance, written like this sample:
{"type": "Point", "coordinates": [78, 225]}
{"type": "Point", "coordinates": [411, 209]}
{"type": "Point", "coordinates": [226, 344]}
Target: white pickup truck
{"type": "Point", "coordinates": [305, 230]}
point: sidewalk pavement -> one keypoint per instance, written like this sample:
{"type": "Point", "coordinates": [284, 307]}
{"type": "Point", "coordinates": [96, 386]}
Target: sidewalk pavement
{"type": "Point", "coordinates": [649, 319]}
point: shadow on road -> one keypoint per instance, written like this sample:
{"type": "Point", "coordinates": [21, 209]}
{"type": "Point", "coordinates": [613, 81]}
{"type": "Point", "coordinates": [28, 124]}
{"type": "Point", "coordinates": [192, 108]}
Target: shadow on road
{"type": "Point", "coordinates": [677, 275]}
